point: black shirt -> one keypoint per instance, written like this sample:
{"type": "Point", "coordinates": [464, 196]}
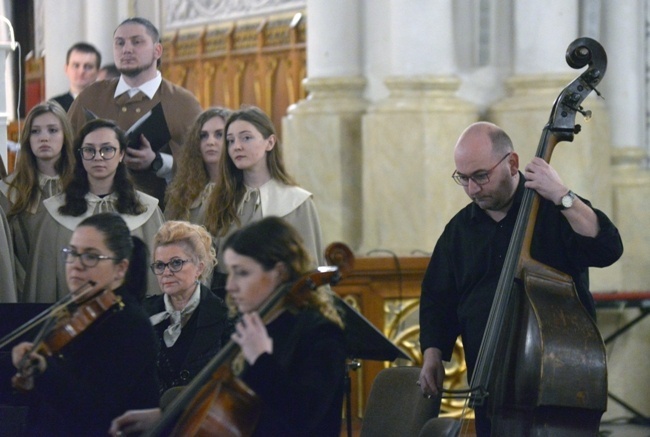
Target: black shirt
{"type": "Point", "coordinates": [462, 276]}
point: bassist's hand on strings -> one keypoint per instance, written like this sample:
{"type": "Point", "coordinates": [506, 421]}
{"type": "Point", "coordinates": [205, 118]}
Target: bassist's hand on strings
{"type": "Point", "coordinates": [543, 178]}
{"type": "Point", "coordinates": [432, 373]}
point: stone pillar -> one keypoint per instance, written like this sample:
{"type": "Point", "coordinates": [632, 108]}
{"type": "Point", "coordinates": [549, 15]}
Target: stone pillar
{"type": "Point", "coordinates": [326, 125]}
{"type": "Point", "coordinates": [98, 21]}
{"type": "Point", "coordinates": [541, 73]}
{"type": "Point", "coordinates": [61, 29]}
{"type": "Point", "coordinates": [408, 138]}
{"type": "Point", "coordinates": [5, 48]}
{"type": "Point", "coordinates": [623, 88]}
{"type": "Point", "coordinates": [101, 19]}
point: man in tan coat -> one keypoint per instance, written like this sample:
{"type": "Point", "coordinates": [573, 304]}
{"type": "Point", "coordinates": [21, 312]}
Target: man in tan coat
{"type": "Point", "coordinates": [139, 89]}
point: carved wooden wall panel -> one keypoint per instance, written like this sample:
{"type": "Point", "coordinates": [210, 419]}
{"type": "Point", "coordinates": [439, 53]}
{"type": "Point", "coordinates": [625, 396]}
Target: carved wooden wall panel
{"type": "Point", "coordinates": [260, 62]}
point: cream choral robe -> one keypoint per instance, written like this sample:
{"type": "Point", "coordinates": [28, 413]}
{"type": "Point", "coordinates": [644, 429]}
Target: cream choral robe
{"type": "Point", "coordinates": [45, 280]}
{"type": "Point", "coordinates": [293, 204]}
{"type": "Point", "coordinates": [25, 226]}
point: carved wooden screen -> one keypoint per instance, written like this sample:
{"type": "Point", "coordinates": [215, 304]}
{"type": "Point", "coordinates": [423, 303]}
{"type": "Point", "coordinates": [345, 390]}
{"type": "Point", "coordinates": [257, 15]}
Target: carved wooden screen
{"type": "Point", "coordinates": [258, 61]}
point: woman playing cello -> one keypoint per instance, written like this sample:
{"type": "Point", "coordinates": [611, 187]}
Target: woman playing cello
{"type": "Point", "coordinates": [296, 361]}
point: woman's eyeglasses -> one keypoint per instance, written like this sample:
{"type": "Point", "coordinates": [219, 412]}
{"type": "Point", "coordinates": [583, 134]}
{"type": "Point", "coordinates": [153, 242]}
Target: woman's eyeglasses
{"type": "Point", "coordinates": [89, 153]}
{"type": "Point", "coordinates": [175, 265]}
{"type": "Point", "coordinates": [88, 259]}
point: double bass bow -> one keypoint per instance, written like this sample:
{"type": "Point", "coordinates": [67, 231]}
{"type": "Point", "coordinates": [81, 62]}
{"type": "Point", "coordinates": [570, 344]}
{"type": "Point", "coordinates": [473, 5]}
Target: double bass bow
{"type": "Point", "coordinates": [552, 376]}
{"type": "Point", "coordinates": [216, 402]}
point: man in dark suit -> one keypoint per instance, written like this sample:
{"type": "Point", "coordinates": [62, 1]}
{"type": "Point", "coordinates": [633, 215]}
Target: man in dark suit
{"type": "Point", "coordinates": [81, 66]}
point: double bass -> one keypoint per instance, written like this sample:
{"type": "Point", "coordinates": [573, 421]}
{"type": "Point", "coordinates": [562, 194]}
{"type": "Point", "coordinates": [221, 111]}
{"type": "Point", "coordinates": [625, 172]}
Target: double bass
{"type": "Point", "coordinates": [552, 375]}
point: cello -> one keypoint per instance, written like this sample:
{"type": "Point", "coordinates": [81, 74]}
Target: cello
{"type": "Point", "coordinates": [552, 376]}
{"type": "Point", "coordinates": [216, 402]}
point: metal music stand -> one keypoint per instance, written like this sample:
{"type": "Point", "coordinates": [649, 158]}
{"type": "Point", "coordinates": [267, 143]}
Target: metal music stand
{"type": "Point", "coordinates": [362, 341]}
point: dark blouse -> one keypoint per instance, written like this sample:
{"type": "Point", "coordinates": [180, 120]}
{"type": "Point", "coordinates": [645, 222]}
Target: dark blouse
{"type": "Point", "coordinates": [302, 383]}
{"type": "Point", "coordinates": [202, 337]}
{"type": "Point", "coordinates": [107, 370]}
{"type": "Point", "coordinates": [462, 276]}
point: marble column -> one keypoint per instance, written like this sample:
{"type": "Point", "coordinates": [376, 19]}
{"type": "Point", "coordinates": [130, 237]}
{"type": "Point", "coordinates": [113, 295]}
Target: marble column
{"type": "Point", "coordinates": [61, 29]}
{"type": "Point", "coordinates": [624, 39]}
{"type": "Point", "coordinates": [5, 48]}
{"type": "Point", "coordinates": [624, 90]}
{"type": "Point", "coordinates": [408, 138]}
{"type": "Point", "coordinates": [101, 19]}
{"type": "Point", "coordinates": [322, 135]}
{"type": "Point", "coordinates": [543, 31]}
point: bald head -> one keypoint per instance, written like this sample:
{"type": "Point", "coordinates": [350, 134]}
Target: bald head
{"type": "Point", "coordinates": [483, 137]}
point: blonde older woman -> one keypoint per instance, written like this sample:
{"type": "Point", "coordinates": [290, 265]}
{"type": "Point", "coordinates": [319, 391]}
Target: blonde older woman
{"type": "Point", "coordinates": [191, 322]}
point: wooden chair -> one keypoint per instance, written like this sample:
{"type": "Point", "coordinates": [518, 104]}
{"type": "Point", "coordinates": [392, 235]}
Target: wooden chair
{"type": "Point", "coordinates": [396, 407]}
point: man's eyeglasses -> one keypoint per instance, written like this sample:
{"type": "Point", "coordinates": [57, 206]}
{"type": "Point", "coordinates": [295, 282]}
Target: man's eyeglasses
{"type": "Point", "coordinates": [87, 259]}
{"type": "Point", "coordinates": [480, 178]}
{"type": "Point", "coordinates": [175, 265]}
{"type": "Point", "coordinates": [106, 152]}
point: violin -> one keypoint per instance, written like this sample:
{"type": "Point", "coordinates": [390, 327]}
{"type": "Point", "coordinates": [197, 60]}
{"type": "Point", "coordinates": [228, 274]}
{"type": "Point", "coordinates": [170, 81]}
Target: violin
{"type": "Point", "coordinates": [217, 403]}
{"type": "Point", "coordinates": [61, 325]}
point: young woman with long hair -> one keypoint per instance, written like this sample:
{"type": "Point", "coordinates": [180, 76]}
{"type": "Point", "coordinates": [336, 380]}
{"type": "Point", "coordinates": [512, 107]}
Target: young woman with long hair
{"type": "Point", "coordinates": [45, 161]}
{"type": "Point", "coordinates": [100, 183]}
{"type": "Point", "coordinates": [254, 184]}
{"type": "Point", "coordinates": [197, 169]}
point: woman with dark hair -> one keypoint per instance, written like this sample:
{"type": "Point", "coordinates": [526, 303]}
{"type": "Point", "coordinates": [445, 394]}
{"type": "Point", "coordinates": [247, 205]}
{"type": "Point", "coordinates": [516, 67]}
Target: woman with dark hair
{"type": "Point", "coordinates": [254, 184]}
{"type": "Point", "coordinates": [100, 183]}
{"type": "Point", "coordinates": [197, 169]}
{"type": "Point", "coordinates": [295, 359]}
{"type": "Point", "coordinates": [109, 366]}
{"type": "Point", "coordinates": [45, 161]}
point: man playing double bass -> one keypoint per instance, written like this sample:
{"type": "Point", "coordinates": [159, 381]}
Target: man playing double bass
{"type": "Point", "coordinates": [460, 282]}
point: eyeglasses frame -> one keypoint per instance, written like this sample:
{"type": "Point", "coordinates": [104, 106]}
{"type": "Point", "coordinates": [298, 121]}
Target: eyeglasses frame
{"type": "Point", "coordinates": [455, 174]}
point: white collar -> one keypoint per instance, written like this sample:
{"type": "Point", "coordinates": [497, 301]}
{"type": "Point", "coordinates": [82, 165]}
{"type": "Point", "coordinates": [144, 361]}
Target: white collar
{"type": "Point", "coordinates": [278, 199]}
{"type": "Point", "coordinates": [149, 88]}
{"type": "Point", "coordinates": [100, 204]}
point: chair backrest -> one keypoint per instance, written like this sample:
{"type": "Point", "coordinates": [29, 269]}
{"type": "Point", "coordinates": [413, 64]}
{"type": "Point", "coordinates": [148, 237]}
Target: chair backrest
{"type": "Point", "coordinates": [441, 427]}
{"type": "Point", "coordinates": [396, 406]}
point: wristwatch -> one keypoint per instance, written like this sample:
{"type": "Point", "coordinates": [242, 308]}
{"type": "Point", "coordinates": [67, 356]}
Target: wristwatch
{"type": "Point", "coordinates": [566, 201]}
{"type": "Point", "coordinates": [157, 163]}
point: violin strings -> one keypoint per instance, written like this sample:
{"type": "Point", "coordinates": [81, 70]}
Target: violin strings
{"type": "Point", "coordinates": [44, 315]}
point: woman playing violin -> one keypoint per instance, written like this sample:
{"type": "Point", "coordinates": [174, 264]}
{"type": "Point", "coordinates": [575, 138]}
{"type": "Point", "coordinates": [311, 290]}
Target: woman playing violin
{"type": "Point", "coordinates": [295, 361]}
{"type": "Point", "coordinates": [110, 366]}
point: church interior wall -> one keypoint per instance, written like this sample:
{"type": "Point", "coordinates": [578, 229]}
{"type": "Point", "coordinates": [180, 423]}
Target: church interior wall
{"type": "Point", "coordinates": [272, 79]}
